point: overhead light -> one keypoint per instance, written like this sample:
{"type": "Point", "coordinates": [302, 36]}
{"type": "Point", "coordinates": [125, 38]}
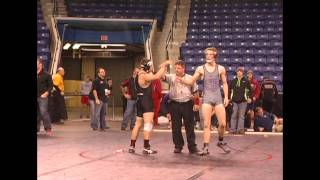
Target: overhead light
{"type": "Point", "coordinates": [91, 44]}
{"type": "Point", "coordinates": [66, 46]}
{"type": "Point", "coordinates": [119, 50]}
{"type": "Point", "coordinates": [76, 46]}
{"type": "Point", "coordinates": [103, 50]}
{"type": "Point", "coordinates": [116, 45]}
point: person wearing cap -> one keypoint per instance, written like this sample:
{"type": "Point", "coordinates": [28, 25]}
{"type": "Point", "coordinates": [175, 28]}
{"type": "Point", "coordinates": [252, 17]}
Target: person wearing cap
{"type": "Point", "coordinates": [240, 95]}
{"type": "Point", "coordinates": [255, 87]}
{"type": "Point", "coordinates": [212, 102]}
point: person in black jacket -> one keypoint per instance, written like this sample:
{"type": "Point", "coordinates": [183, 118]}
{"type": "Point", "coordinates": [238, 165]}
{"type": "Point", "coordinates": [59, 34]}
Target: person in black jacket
{"type": "Point", "coordinates": [240, 95]}
{"type": "Point", "coordinates": [44, 86]}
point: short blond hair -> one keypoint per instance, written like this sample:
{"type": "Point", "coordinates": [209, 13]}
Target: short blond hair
{"type": "Point", "coordinates": [211, 49]}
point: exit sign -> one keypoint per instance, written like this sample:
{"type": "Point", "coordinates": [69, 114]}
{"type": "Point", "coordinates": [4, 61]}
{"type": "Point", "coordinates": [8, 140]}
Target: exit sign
{"type": "Point", "coordinates": [104, 38]}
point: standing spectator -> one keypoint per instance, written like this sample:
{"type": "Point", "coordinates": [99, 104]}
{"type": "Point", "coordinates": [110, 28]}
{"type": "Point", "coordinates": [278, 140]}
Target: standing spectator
{"type": "Point", "coordinates": [129, 92]}
{"type": "Point", "coordinates": [240, 95]}
{"type": "Point", "coordinates": [59, 113]}
{"type": "Point", "coordinates": [255, 88]}
{"type": "Point", "coordinates": [85, 88]}
{"type": "Point", "coordinates": [44, 87]}
{"type": "Point", "coordinates": [98, 101]}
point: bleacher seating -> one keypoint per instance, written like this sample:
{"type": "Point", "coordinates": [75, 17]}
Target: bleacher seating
{"type": "Point", "coordinates": [246, 33]}
{"type": "Point", "coordinates": [131, 9]}
{"type": "Point", "coordinates": [43, 38]}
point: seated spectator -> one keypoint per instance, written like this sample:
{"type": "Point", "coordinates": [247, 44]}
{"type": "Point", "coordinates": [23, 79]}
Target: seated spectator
{"type": "Point", "coordinates": [263, 120]}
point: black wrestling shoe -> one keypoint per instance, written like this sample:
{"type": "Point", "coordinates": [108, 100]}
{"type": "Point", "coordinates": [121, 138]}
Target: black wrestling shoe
{"type": "Point", "coordinates": [224, 147]}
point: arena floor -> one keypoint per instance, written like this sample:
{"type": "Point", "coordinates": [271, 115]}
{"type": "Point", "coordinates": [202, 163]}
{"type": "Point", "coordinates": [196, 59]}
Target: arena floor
{"type": "Point", "coordinates": [75, 152]}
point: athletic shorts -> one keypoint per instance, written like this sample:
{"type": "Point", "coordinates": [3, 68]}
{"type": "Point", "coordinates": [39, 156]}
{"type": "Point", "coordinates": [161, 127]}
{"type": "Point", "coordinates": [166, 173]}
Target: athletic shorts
{"type": "Point", "coordinates": [85, 100]}
{"type": "Point", "coordinates": [144, 104]}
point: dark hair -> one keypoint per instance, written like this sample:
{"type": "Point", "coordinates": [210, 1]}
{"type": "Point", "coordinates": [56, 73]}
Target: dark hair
{"type": "Point", "coordinates": [181, 63]}
{"type": "Point", "coordinates": [99, 68]}
{"type": "Point", "coordinates": [145, 64]}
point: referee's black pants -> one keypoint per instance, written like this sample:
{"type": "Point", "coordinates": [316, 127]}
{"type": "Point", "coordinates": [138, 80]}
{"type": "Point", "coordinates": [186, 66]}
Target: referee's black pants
{"type": "Point", "coordinates": [178, 112]}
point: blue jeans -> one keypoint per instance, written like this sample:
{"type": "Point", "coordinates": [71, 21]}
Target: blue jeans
{"type": "Point", "coordinates": [129, 114]}
{"type": "Point", "coordinates": [98, 114]}
{"type": "Point", "coordinates": [43, 114]}
{"type": "Point", "coordinates": [237, 117]}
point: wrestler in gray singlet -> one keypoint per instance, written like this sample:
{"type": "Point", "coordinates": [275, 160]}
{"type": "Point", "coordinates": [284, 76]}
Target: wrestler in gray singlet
{"type": "Point", "coordinates": [211, 89]}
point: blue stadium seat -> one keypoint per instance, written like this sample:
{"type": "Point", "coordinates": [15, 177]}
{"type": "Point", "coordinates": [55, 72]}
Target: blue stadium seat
{"type": "Point", "coordinates": [276, 43]}
{"type": "Point", "coordinates": [226, 37]}
{"type": "Point", "coordinates": [236, 61]}
{"type": "Point", "coordinates": [226, 30]}
{"type": "Point", "coordinates": [224, 60]}
{"type": "Point", "coordinates": [191, 68]}
{"type": "Point", "coordinates": [263, 36]}
{"type": "Point", "coordinates": [261, 60]}
{"type": "Point", "coordinates": [231, 44]}
{"type": "Point", "coordinates": [216, 37]}
{"type": "Point", "coordinates": [275, 36]}
{"type": "Point", "coordinates": [260, 52]}
{"type": "Point", "coordinates": [190, 61]}
{"type": "Point", "coordinates": [250, 36]}
{"type": "Point", "coordinates": [231, 68]}
{"type": "Point", "coordinates": [238, 36]}
{"type": "Point", "coordinates": [248, 60]}
{"type": "Point", "coordinates": [275, 51]}
{"type": "Point", "coordinates": [237, 29]}
{"type": "Point", "coordinates": [235, 51]}
{"type": "Point", "coordinates": [276, 78]}
{"type": "Point", "coordinates": [247, 51]}
{"type": "Point", "coordinates": [272, 60]}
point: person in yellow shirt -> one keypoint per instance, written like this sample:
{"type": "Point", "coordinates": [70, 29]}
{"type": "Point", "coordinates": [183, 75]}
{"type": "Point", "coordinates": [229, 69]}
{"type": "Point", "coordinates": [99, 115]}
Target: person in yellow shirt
{"type": "Point", "coordinates": [59, 112]}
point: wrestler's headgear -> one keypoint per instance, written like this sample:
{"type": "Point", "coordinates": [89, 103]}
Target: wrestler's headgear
{"type": "Point", "coordinates": [146, 64]}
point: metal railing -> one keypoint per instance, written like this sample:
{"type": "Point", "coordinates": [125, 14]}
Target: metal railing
{"type": "Point", "coordinates": [57, 47]}
{"type": "Point", "coordinates": [173, 26]}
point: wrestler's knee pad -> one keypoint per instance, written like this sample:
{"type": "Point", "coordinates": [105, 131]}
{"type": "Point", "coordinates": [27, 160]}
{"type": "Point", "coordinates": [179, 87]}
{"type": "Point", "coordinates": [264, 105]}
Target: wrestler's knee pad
{"type": "Point", "coordinates": [147, 127]}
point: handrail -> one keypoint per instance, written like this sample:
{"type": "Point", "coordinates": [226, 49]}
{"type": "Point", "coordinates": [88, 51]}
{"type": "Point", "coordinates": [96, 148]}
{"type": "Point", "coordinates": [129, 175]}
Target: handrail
{"type": "Point", "coordinates": [169, 38]}
{"type": "Point", "coordinates": [57, 42]}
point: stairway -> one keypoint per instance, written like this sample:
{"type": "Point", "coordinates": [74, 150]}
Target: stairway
{"type": "Point", "coordinates": [179, 33]}
{"type": "Point", "coordinates": [47, 9]}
